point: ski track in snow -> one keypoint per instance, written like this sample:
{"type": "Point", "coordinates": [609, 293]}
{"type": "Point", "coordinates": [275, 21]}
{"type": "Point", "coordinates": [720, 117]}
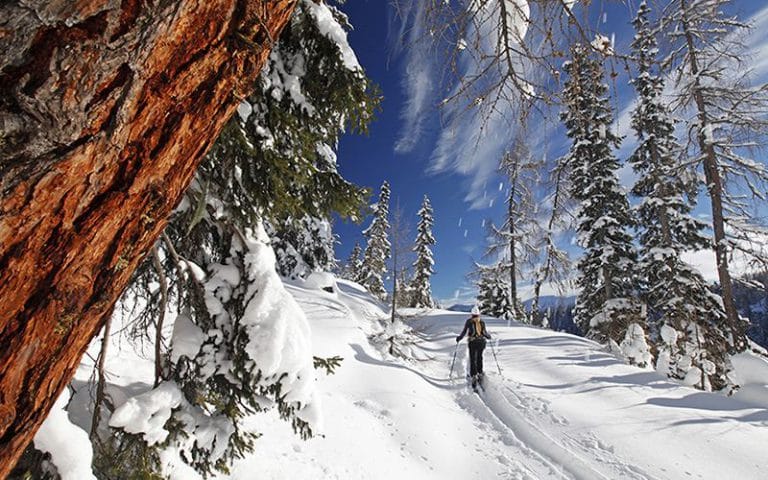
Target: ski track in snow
{"type": "Point", "coordinates": [511, 413]}
{"type": "Point", "coordinates": [523, 422]}
{"type": "Point", "coordinates": [539, 420]}
{"type": "Point", "coordinates": [519, 412]}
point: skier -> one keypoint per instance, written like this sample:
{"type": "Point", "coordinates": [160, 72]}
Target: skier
{"type": "Point", "coordinates": [477, 335]}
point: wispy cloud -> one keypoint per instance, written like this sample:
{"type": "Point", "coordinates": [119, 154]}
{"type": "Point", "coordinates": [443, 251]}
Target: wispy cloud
{"type": "Point", "coordinates": [464, 295]}
{"type": "Point", "coordinates": [476, 118]}
{"type": "Point", "coordinates": [471, 139]}
{"type": "Point", "coordinates": [419, 76]}
{"type": "Point", "coordinates": [471, 145]}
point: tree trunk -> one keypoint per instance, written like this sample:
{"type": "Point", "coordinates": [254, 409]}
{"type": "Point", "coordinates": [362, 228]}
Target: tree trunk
{"type": "Point", "coordinates": [513, 242]}
{"type": "Point", "coordinates": [106, 109]}
{"type": "Point", "coordinates": [715, 189]}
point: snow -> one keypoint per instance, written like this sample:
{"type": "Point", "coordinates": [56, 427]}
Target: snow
{"type": "Point", "coordinates": [603, 44]}
{"type": "Point", "coordinates": [147, 413]}
{"type": "Point", "coordinates": [320, 281]}
{"type": "Point", "coordinates": [67, 443]}
{"type": "Point", "coordinates": [279, 336]}
{"type": "Point", "coordinates": [187, 338]}
{"type": "Point", "coordinates": [196, 270]}
{"type": "Point", "coordinates": [244, 110]}
{"type": "Point", "coordinates": [518, 18]}
{"type": "Point", "coordinates": [634, 347]}
{"type": "Point", "coordinates": [330, 28]}
{"type": "Point", "coordinates": [563, 408]}
{"type": "Point", "coordinates": [752, 376]}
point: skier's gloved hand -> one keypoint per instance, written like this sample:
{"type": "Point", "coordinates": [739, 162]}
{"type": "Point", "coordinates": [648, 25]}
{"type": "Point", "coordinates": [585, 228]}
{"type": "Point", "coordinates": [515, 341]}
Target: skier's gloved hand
{"type": "Point", "coordinates": [458, 339]}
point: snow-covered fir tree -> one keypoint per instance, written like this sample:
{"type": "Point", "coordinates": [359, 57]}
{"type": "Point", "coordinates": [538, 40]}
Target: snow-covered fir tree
{"type": "Point", "coordinates": [378, 248]}
{"type": "Point", "coordinates": [605, 306]}
{"type": "Point", "coordinates": [351, 268]}
{"type": "Point", "coordinates": [725, 114]}
{"type": "Point", "coordinates": [401, 260]}
{"type": "Point", "coordinates": [680, 303]}
{"type": "Point", "coordinates": [303, 246]}
{"type": "Point", "coordinates": [274, 163]}
{"type": "Point", "coordinates": [493, 291]}
{"type": "Point", "coordinates": [423, 267]}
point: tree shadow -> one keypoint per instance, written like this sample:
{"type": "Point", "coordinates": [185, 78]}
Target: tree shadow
{"type": "Point", "coordinates": [443, 383]}
{"type": "Point", "coordinates": [714, 403]}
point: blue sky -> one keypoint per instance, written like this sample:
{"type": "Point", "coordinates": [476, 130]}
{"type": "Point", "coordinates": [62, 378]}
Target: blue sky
{"type": "Point", "coordinates": [463, 186]}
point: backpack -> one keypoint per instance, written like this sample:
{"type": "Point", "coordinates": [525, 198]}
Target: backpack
{"type": "Point", "coordinates": [476, 328]}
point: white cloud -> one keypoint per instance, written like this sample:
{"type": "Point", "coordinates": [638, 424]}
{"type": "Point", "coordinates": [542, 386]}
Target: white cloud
{"type": "Point", "coordinates": [704, 262]}
{"type": "Point", "coordinates": [472, 146]}
{"type": "Point", "coordinates": [419, 76]}
{"type": "Point", "coordinates": [464, 295]}
{"type": "Point", "coordinates": [525, 292]}
{"type": "Point", "coordinates": [475, 130]}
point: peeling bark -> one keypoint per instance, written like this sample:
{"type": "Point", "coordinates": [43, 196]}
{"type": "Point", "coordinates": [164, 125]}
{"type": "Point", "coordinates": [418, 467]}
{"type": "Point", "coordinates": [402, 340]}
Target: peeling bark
{"type": "Point", "coordinates": [106, 109]}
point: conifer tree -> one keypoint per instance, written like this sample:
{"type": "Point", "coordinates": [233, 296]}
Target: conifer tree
{"type": "Point", "coordinates": [604, 306]}
{"type": "Point", "coordinates": [420, 288]}
{"type": "Point", "coordinates": [275, 164]}
{"type": "Point", "coordinates": [303, 246]}
{"type": "Point", "coordinates": [378, 248]}
{"type": "Point", "coordinates": [351, 268]}
{"type": "Point", "coordinates": [678, 298]}
{"type": "Point", "coordinates": [493, 291]}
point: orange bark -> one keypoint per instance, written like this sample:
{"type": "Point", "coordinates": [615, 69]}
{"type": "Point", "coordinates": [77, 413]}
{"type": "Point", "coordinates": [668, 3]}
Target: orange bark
{"type": "Point", "coordinates": [106, 109]}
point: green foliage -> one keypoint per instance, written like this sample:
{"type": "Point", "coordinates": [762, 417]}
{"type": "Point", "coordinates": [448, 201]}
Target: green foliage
{"type": "Point", "coordinates": [274, 162]}
{"type": "Point", "coordinates": [124, 456]}
{"type": "Point", "coordinates": [677, 295]}
{"type": "Point", "coordinates": [493, 293]}
{"type": "Point", "coordinates": [378, 249]}
{"type": "Point", "coordinates": [607, 265]}
{"type": "Point", "coordinates": [420, 288]}
{"type": "Point", "coordinates": [329, 364]}
{"type": "Point", "coordinates": [34, 465]}
{"type": "Point", "coordinates": [283, 151]}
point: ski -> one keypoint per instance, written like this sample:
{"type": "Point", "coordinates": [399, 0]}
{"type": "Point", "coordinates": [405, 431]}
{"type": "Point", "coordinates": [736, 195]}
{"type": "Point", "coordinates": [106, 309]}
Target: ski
{"type": "Point", "coordinates": [476, 383]}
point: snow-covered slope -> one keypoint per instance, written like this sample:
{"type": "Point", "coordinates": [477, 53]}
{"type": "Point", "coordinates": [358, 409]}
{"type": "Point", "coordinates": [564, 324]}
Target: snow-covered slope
{"type": "Point", "coordinates": [561, 408]}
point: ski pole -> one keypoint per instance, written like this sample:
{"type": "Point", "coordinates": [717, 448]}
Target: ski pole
{"type": "Point", "coordinates": [496, 358]}
{"type": "Point", "coordinates": [450, 375]}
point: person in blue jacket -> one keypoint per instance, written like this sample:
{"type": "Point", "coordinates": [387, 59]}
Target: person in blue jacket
{"type": "Point", "coordinates": [475, 327]}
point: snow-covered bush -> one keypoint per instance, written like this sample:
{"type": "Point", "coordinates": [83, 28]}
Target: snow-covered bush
{"type": "Point", "coordinates": [247, 350]}
{"type": "Point", "coordinates": [635, 348]}
{"type": "Point", "coordinates": [321, 281]}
